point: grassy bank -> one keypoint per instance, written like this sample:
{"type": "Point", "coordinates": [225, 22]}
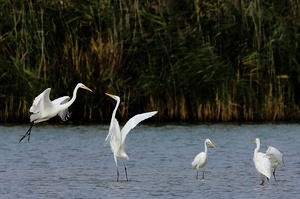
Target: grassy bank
{"type": "Point", "coordinates": [194, 61]}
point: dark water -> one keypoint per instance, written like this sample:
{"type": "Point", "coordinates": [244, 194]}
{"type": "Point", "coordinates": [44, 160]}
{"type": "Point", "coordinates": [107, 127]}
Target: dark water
{"type": "Point", "coordinates": [73, 162]}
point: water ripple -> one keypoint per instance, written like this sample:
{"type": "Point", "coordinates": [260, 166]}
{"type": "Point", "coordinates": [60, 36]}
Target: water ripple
{"type": "Point", "coordinates": [73, 162]}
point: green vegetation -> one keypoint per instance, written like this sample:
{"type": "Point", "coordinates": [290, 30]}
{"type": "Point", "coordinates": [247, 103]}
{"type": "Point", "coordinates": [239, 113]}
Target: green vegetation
{"type": "Point", "coordinates": [193, 60]}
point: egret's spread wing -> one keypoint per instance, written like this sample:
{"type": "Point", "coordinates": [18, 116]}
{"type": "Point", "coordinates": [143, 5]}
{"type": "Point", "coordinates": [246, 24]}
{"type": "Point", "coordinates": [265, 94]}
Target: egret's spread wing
{"type": "Point", "coordinates": [61, 100]}
{"type": "Point", "coordinates": [135, 120]}
{"type": "Point", "coordinates": [275, 154]}
{"type": "Point", "coordinates": [64, 114]}
{"type": "Point", "coordinates": [40, 101]}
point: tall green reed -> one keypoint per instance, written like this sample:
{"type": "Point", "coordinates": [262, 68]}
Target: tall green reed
{"type": "Point", "coordinates": [211, 61]}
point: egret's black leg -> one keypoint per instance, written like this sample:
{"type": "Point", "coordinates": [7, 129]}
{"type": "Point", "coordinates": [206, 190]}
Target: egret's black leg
{"type": "Point", "coordinates": [197, 175]}
{"type": "Point", "coordinates": [27, 134]}
{"type": "Point", "coordinates": [202, 174]}
{"type": "Point", "coordinates": [125, 170]}
{"type": "Point", "coordinates": [274, 174]}
{"type": "Point", "coordinates": [126, 173]}
{"type": "Point", "coordinates": [262, 180]}
{"type": "Point", "coordinates": [117, 174]}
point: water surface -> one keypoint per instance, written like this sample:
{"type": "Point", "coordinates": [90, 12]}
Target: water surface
{"type": "Point", "coordinates": [63, 161]}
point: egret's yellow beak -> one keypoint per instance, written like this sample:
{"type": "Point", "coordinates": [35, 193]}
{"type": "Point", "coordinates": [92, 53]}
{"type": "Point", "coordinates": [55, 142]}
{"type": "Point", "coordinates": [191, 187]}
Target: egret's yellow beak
{"type": "Point", "coordinates": [254, 142]}
{"type": "Point", "coordinates": [211, 144]}
{"type": "Point", "coordinates": [86, 88]}
{"type": "Point", "coordinates": [110, 95]}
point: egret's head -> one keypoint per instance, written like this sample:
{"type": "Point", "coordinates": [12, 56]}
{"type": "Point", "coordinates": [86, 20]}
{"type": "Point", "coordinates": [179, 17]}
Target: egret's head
{"type": "Point", "coordinates": [113, 96]}
{"type": "Point", "coordinates": [81, 85]}
{"type": "Point", "coordinates": [256, 141]}
{"type": "Point", "coordinates": [210, 143]}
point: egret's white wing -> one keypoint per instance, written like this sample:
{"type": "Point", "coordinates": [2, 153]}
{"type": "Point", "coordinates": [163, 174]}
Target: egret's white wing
{"type": "Point", "coordinates": [36, 114]}
{"type": "Point", "coordinates": [262, 164]}
{"type": "Point", "coordinates": [274, 154]}
{"type": "Point", "coordinates": [61, 100]}
{"type": "Point", "coordinates": [64, 115]}
{"type": "Point", "coordinates": [114, 130]}
{"type": "Point", "coordinates": [37, 105]}
{"type": "Point", "coordinates": [135, 120]}
{"type": "Point", "coordinates": [114, 136]}
{"type": "Point", "coordinates": [200, 160]}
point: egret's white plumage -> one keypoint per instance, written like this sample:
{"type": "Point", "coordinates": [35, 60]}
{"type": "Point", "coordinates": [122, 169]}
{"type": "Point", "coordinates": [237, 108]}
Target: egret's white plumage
{"type": "Point", "coordinates": [43, 108]}
{"type": "Point", "coordinates": [261, 162]}
{"type": "Point", "coordinates": [275, 157]}
{"type": "Point", "coordinates": [116, 137]}
{"type": "Point", "coordinates": [201, 159]}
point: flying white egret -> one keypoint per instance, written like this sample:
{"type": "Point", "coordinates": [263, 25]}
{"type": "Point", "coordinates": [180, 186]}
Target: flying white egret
{"type": "Point", "coordinates": [261, 162]}
{"type": "Point", "coordinates": [116, 138]}
{"type": "Point", "coordinates": [43, 108]}
{"type": "Point", "coordinates": [201, 159]}
{"type": "Point", "coordinates": [275, 157]}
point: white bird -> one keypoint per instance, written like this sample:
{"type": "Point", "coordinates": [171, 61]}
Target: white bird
{"type": "Point", "coordinates": [275, 157]}
{"type": "Point", "coordinates": [201, 159]}
{"type": "Point", "coordinates": [261, 162]}
{"type": "Point", "coordinates": [43, 108]}
{"type": "Point", "coordinates": [116, 138]}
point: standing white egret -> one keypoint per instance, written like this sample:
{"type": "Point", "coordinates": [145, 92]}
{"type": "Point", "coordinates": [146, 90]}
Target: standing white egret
{"type": "Point", "coordinates": [275, 157]}
{"type": "Point", "coordinates": [43, 108]}
{"type": "Point", "coordinates": [201, 159]}
{"type": "Point", "coordinates": [116, 138]}
{"type": "Point", "coordinates": [261, 162]}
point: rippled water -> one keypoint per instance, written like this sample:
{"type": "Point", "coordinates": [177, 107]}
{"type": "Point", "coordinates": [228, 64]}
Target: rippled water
{"type": "Point", "coordinates": [72, 162]}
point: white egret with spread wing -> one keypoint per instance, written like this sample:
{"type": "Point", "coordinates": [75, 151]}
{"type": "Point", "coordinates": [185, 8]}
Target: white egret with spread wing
{"type": "Point", "coordinates": [275, 157]}
{"type": "Point", "coordinates": [43, 108]}
{"type": "Point", "coordinates": [201, 159]}
{"type": "Point", "coordinates": [116, 137]}
{"type": "Point", "coordinates": [261, 162]}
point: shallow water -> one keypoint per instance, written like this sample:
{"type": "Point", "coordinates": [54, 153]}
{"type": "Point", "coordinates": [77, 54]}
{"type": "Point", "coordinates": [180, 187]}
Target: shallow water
{"type": "Point", "coordinates": [62, 161]}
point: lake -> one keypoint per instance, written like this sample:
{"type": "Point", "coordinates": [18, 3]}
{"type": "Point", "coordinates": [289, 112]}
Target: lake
{"type": "Point", "coordinates": [68, 161]}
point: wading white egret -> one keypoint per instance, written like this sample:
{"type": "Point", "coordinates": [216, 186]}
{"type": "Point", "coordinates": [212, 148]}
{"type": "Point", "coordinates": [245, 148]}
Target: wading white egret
{"type": "Point", "coordinates": [275, 157]}
{"type": "Point", "coordinates": [116, 137]}
{"type": "Point", "coordinates": [43, 108]}
{"type": "Point", "coordinates": [262, 162]}
{"type": "Point", "coordinates": [201, 159]}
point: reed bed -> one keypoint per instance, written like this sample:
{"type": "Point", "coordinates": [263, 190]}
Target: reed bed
{"type": "Point", "coordinates": [193, 61]}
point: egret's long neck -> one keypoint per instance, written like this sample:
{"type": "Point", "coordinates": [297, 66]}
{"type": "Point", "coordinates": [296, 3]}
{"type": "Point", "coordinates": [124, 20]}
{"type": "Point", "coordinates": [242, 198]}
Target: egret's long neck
{"type": "Point", "coordinates": [114, 112]}
{"type": "Point", "coordinates": [257, 147]}
{"type": "Point", "coordinates": [205, 148]}
{"type": "Point", "coordinates": [112, 120]}
{"type": "Point", "coordinates": [69, 103]}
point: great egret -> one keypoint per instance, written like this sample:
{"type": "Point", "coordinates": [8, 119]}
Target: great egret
{"type": "Point", "coordinates": [261, 162]}
{"type": "Point", "coordinates": [43, 108]}
{"type": "Point", "coordinates": [201, 159]}
{"type": "Point", "coordinates": [275, 157]}
{"type": "Point", "coordinates": [116, 138]}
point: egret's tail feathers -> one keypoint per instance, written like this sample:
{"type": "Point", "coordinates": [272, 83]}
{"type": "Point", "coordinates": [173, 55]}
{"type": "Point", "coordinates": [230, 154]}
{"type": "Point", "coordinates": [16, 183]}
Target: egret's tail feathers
{"type": "Point", "coordinates": [194, 165]}
{"type": "Point", "coordinates": [34, 117]}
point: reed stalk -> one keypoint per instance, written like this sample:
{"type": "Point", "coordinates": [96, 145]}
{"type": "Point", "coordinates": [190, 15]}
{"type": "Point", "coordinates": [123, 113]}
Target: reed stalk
{"type": "Point", "coordinates": [196, 61]}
